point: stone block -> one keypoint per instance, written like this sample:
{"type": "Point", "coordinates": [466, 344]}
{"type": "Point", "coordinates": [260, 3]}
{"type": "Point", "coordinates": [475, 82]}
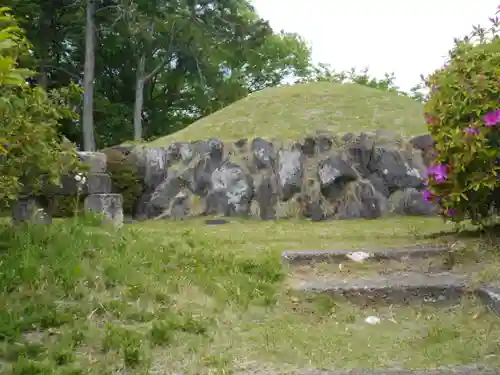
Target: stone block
{"type": "Point", "coordinates": [490, 296]}
{"type": "Point", "coordinates": [29, 210]}
{"type": "Point", "coordinates": [96, 161]}
{"type": "Point", "coordinates": [96, 183]}
{"type": "Point", "coordinates": [108, 205]}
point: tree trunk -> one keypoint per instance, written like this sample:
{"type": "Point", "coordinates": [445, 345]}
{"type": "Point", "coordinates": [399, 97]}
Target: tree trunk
{"type": "Point", "coordinates": [88, 80]}
{"type": "Point", "coordinates": [139, 98]}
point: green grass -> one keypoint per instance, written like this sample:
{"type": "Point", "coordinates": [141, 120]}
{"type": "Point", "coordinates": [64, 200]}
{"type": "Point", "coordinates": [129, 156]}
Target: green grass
{"type": "Point", "coordinates": [292, 112]}
{"type": "Point", "coordinates": [182, 296]}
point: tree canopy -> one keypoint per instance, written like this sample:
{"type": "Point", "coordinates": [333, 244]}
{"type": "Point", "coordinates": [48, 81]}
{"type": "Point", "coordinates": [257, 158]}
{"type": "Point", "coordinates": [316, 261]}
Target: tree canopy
{"type": "Point", "coordinates": [181, 59]}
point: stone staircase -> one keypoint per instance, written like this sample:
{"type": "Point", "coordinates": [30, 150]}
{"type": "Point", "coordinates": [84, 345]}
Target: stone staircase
{"type": "Point", "coordinates": [412, 283]}
{"type": "Point", "coordinates": [398, 277]}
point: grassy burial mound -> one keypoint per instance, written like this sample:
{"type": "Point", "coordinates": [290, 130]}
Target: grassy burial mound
{"type": "Point", "coordinates": [291, 112]}
{"type": "Point", "coordinates": [254, 139]}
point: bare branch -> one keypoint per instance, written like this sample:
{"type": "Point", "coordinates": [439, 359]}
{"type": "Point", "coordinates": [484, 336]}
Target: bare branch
{"type": "Point", "coordinates": [166, 59]}
{"type": "Point", "coordinates": [156, 69]}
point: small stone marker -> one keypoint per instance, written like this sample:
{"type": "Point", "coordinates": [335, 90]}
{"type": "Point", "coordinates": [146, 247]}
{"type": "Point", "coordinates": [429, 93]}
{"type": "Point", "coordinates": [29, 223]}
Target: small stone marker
{"type": "Point", "coordinates": [216, 221]}
{"type": "Point", "coordinates": [29, 210]}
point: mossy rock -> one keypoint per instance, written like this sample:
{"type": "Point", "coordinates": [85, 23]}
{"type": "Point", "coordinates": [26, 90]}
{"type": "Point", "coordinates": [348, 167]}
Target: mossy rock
{"type": "Point", "coordinates": [125, 178]}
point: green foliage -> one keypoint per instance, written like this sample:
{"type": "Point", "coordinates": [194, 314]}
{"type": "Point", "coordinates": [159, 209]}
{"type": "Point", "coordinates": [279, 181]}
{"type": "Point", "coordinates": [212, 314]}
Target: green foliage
{"type": "Point", "coordinates": [125, 178]}
{"type": "Point", "coordinates": [185, 44]}
{"type": "Point", "coordinates": [465, 178]}
{"type": "Point", "coordinates": [61, 206]}
{"type": "Point", "coordinates": [324, 73]}
{"type": "Point", "coordinates": [29, 134]}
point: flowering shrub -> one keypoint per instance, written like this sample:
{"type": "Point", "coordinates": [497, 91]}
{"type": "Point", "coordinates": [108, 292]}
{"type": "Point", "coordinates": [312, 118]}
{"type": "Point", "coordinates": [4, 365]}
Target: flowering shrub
{"type": "Point", "coordinates": [463, 116]}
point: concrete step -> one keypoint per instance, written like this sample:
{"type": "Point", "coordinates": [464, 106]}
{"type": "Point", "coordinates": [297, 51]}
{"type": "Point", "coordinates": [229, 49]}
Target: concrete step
{"type": "Point", "coordinates": [302, 257]}
{"type": "Point", "coordinates": [490, 297]}
{"type": "Point", "coordinates": [400, 289]}
{"type": "Point", "coordinates": [462, 370]}
{"type": "Point", "coordinates": [403, 289]}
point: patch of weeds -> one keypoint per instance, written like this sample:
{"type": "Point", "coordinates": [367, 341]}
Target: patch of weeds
{"type": "Point", "coordinates": [63, 352]}
{"type": "Point", "coordinates": [436, 334]}
{"type": "Point", "coordinates": [12, 352]}
{"type": "Point", "coordinates": [78, 336]}
{"type": "Point", "coordinates": [32, 312]}
{"type": "Point", "coordinates": [126, 310]}
{"type": "Point", "coordinates": [129, 343]}
{"type": "Point", "coordinates": [325, 305]}
{"type": "Point", "coordinates": [25, 366]}
{"type": "Point", "coordinates": [163, 330]}
{"type": "Point", "coordinates": [162, 298]}
{"type": "Point", "coordinates": [219, 362]}
{"type": "Point", "coordinates": [116, 308]}
{"type": "Point", "coordinates": [63, 356]}
{"type": "Point", "coordinates": [162, 333]}
{"type": "Point", "coordinates": [140, 316]}
{"type": "Point", "coordinates": [135, 291]}
{"type": "Point", "coordinates": [192, 324]}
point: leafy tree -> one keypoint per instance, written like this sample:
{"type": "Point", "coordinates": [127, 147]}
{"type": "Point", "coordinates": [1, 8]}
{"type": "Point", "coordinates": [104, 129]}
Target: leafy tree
{"type": "Point", "coordinates": [30, 145]}
{"type": "Point", "coordinates": [324, 73]}
{"type": "Point", "coordinates": [197, 57]}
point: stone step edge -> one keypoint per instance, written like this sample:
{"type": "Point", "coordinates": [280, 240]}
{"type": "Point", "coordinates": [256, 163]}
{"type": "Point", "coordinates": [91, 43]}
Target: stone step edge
{"type": "Point", "coordinates": [429, 288]}
{"type": "Point", "coordinates": [293, 257]}
{"type": "Point", "coordinates": [458, 370]}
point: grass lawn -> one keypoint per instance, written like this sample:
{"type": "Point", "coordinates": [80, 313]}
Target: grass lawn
{"type": "Point", "coordinates": [291, 112]}
{"type": "Point", "coordinates": [186, 297]}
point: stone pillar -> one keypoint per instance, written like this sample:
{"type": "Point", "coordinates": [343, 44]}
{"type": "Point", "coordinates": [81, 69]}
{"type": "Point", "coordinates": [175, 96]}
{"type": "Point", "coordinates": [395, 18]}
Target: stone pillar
{"type": "Point", "coordinates": [108, 205]}
{"type": "Point", "coordinates": [29, 210]}
{"type": "Point", "coordinates": [99, 199]}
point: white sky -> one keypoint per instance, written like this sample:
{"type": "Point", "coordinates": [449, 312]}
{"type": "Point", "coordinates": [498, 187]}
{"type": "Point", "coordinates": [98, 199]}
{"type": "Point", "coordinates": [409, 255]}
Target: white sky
{"type": "Point", "coordinates": [406, 37]}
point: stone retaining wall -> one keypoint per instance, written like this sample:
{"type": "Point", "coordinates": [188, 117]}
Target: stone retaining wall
{"type": "Point", "coordinates": [96, 188]}
{"type": "Point", "coordinates": [321, 177]}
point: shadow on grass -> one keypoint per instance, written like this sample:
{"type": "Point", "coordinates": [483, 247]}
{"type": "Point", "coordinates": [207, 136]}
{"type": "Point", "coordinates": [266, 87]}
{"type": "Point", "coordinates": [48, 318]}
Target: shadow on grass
{"type": "Point", "coordinates": [491, 233]}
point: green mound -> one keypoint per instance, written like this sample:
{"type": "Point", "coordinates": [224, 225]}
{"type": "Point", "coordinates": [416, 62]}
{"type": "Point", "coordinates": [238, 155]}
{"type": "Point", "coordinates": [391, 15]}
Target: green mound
{"type": "Point", "coordinates": [290, 112]}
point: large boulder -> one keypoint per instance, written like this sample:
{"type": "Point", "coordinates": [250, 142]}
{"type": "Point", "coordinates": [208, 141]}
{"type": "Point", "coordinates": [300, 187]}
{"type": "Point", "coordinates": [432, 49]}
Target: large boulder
{"type": "Point", "coordinates": [231, 191]}
{"type": "Point", "coordinates": [290, 171]}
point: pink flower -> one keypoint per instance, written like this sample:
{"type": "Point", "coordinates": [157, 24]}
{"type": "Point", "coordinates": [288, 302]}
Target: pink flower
{"type": "Point", "coordinates": [450, 212]}
{"type": "Point", "coordinates": [492, 118]}
{"type": "Point", "coordinates": [472, 131]}
{"type": "Point", "coordinates": [439, 171]}
{"type": "Point", "coordinates": [428, 195]}
{"type": "Point", "coordinates": [429, 119]}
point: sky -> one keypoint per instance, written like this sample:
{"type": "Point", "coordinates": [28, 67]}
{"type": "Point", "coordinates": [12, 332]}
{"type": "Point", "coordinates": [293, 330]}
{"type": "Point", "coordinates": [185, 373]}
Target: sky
{"type": "Point", "coordinates": [407, 37]}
